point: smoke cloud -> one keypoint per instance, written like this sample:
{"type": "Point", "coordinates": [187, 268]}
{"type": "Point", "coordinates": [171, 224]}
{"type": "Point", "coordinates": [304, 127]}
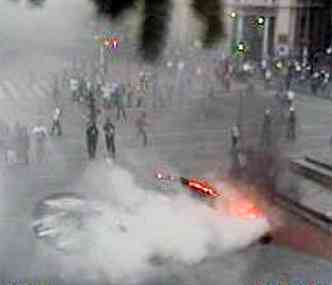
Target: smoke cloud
{"type": "Point", "coordinates": [138, 228]}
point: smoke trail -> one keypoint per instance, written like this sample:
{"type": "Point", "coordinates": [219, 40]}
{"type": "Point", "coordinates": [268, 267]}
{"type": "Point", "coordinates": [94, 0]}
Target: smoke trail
{"type": "Point", "coordinates": [137, 227]}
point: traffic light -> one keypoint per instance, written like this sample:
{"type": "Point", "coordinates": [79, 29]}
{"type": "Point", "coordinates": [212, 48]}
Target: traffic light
{"type": "Point", "coordinates": [260, 22]}
{"type": "Point", "coordinates": [241, 47]}
{"type": "Point", "coordinates": [279, 65]}
{"type": "Point", "coordinates": [233, 15]}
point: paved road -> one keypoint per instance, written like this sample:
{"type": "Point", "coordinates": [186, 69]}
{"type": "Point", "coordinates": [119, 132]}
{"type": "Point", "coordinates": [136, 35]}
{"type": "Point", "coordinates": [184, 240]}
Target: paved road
{"type": "Point", "coordinates": [185, 142]}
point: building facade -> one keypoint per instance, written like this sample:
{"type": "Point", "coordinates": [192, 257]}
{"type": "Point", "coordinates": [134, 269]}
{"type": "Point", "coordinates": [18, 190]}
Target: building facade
{"type": "Point", "coordinates": [289, 27]}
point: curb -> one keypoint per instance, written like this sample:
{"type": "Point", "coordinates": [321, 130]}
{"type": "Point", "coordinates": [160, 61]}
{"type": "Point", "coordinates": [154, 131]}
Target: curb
{"type": "Point", "coordinates": [315, 218]}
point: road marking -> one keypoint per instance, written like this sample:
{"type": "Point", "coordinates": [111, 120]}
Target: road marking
{"type": "Point", "coordinates": [25, 88]}
{"type": "Point", "coordinates": [3, 93]}
{"type": "Point", "coordinates": [11, 89]}
{"type": "Point", "coordinates": [45, 85]}
{"type": "Point", "coordinates": [36, 89]}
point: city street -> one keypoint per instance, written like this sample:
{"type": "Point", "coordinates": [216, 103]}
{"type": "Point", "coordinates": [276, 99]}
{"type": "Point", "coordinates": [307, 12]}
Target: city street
{"type": "Point", "coordinates": [190, 139]}
{"type": "Point", "coordinates": [191, 151]}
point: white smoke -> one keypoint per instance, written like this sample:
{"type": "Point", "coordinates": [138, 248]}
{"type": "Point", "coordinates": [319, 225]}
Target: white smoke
{"type": "Point", "coordinates": [176, 228]}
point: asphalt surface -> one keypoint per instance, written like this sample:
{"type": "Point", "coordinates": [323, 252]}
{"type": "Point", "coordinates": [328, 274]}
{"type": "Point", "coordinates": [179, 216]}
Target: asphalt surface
{"type": "Point", "coordinates": [185, 141]}
{"type": "Point", "coordinates": [186, 144]}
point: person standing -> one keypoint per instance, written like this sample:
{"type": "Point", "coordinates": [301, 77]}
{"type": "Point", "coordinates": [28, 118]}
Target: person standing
{"type": "Point", "coordinates": [106, 94]}
{"type": "Point", "coordinates": [92, 138]}
{"type": "Point", "coordinates": [142, 89]}
{"type": "Point", "coordinates": [109, 131]}
{"type": "Point", "coordinates": [118, 95]}
{"type": "Point", "coordinates": [141, 124]}
{"type": "Point", "coordinates": [25, 144]}
{"type": "Point", "coordinates": [266, 130]}
{"type": "Point", "coordinates": [130, 94]}
{"type": "Point", "coordinates": [17, 142]}
{"type": "Point", "coordinates": [74, 86]}
{"type": "Point", "coordinates": [40, 134]}
{"type": "Point", "coordinates": [235, 134]}
{"type": "Point", "coordinates": [56, 122]}
{"type": "Point", "coordinates": [290, 98]}
{"type": "Point", "coordinates": [291, 125]}
{"type": "Point", "coordinates": [227, 73]}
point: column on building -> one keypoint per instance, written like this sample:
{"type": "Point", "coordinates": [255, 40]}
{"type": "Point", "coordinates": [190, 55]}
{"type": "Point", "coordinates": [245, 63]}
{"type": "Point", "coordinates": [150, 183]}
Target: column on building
{"type": "Point", "coordinates": [285, 22]}
{"type": "Point", "coordinates": [239, 27]}
{"type": "Point", "coordinates": [266, 38]}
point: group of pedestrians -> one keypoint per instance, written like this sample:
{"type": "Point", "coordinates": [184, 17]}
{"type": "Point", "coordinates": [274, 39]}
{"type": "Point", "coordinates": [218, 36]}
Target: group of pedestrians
{"type": "Point", "coordinates": [104, 99]}
{"type": "Point", "coordinates": [109, 131]}
{"type": "Point", "coordinates": [16, 144]}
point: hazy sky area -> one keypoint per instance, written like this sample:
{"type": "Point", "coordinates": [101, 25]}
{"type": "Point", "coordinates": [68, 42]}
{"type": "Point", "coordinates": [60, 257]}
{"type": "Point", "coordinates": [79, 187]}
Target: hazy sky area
{"type": "Point", "coordinates": [51, 24]}
{"type": "Point", "coordinates": [73, 221]}
{"type": "Point", "coordinates": [31, 37]}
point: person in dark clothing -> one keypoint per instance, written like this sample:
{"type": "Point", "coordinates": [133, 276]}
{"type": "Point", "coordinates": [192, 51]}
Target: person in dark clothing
{"type": "Point", "coordinates": [109, 131]}
{"type": "Point", "coordinates": [56, 124]}
{"type": "Point", "coordinates": [92, 139]}
{"type": "Point", "coordinates": [291, 125]}
{"type": "Point", "coordinates": [25, 144]}
{"type": "Point", "coordinates": [315, 81]}
{"type": "Point", "coordinates": [235, 134]}
{"type": "Point", "coordinates": [141, 124]}
{"type": "Point", "coordinates": [130, 94]}
{"type": "Point", "coordinates": [119, 102]}
{"type": "Point", "coordinates": [266, 130]}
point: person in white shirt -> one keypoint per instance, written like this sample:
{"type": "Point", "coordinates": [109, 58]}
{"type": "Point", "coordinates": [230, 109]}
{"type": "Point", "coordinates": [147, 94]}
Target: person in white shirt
{"type": "Point", "coordinates": [39, 133]}
{"type": "Point", "coordinates": [235, 133]}
{"type": "Point", "coordinates": [74, 84]}
{"type": "Point", "coordinates": [107, 92]}
{"type": "Point", "coordinates": [56, 121]}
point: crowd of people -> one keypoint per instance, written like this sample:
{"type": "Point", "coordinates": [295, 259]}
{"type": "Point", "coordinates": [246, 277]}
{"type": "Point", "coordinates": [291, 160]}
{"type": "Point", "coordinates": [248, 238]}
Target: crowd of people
{"type": "Point", "coordinates": [105, 100]}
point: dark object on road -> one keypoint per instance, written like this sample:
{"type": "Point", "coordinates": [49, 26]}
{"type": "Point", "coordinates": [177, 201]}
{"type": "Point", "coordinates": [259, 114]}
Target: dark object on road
{"type": "Point", "coordinates": [141, 124]}
{"type": "Point", "coordinates": [156, 16]}
{"type": "Point", "coordinates": [291, 125]}
{"type": "Point", "coordinates": [92, 139]}
{"type": "Point", "coordinates": [266, 135]}
{"type": "Point", "coordinates": [109, 131]}
{"type": "Point", "coordinates": [36, 3]}
{"type": "Point", "coordinates": [56, 124]}
{"type": "Point", "coordinates": [266, 239]}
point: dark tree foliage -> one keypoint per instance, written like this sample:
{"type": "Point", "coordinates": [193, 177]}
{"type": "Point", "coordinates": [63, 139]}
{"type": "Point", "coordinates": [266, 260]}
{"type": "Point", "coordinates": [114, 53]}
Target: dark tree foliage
{"type": "Point", "coordinates": [155, 28]}
{"type": "Point", "coordinates": [113, 8]}
{"type": "Point", "coordinates": [36, 3]}
{"type": "Point", "coordinates": [210, 11]}
{"type": "Point", "coordinates": [156, 17]}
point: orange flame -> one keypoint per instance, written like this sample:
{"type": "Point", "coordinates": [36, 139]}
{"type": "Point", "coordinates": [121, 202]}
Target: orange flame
{"type": "Point", "coordinates": [203, 187]}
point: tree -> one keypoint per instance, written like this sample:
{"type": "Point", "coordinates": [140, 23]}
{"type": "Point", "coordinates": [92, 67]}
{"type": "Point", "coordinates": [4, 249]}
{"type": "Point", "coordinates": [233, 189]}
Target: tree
{"type": "Point", "coordinates": [156, 15]}
{"type": "Point", "coordinates": [36, 3]}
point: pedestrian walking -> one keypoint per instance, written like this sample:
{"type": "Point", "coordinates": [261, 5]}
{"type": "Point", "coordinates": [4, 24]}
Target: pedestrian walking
{"type": "Point", "coordinates": [235, 135]}
{"type": "Point", "coordinates": [266, 130]}
{"type": "Point", "coordinates": [92, 138]}
{"type": "Point", "coordinates": [130, 94]}
{"type": "Point", "coordinates": [74, 88]}
{"type": "Point", "coordinates": [118, 94]}
{"type": "Point", "coordinates": [40, 134]}
{"type": "Point", "coordinates": [107, 96]}
{"type": "Point", "coordinates": [56, 124]}
{"type": "Point", "coordinates": [290, 98]}
{"type": "Point", "coordinates": [142, 89]}
{"type": "Point", "coordinates": [109, 131]}
{"type": "Point", "coordinates": [141, 124]}
{"type": "Point", "coordinates": [291, 124]}
{"type": "Point", "coordinates": [25, 141]}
